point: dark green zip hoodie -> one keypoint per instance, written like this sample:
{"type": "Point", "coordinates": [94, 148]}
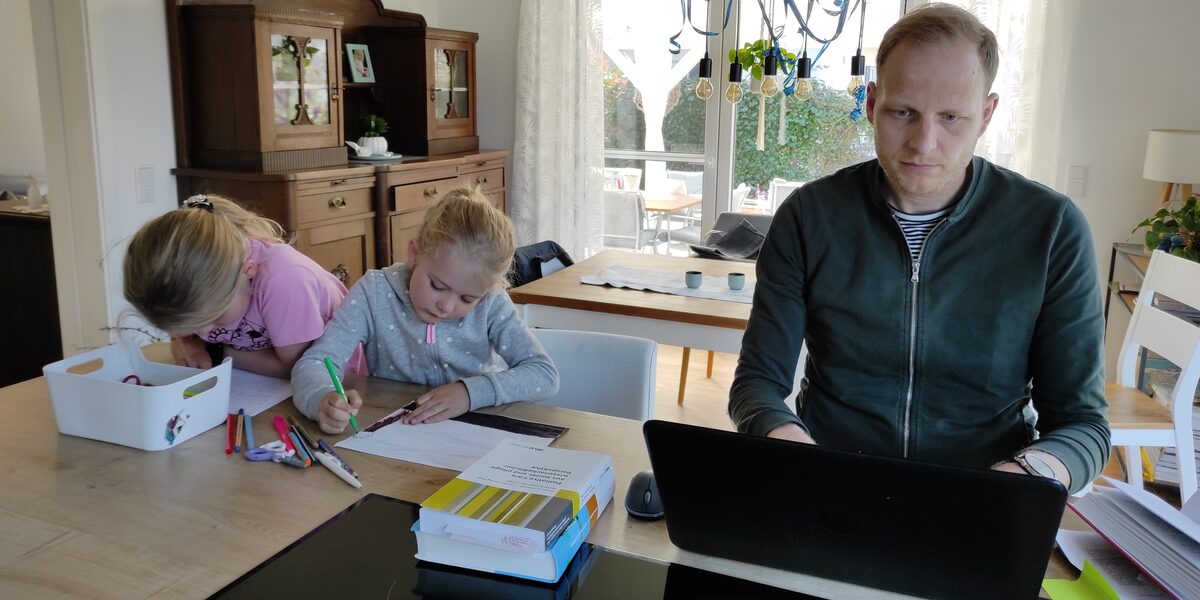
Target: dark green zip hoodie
{"type": "Point", "coordinates": [933, 361]}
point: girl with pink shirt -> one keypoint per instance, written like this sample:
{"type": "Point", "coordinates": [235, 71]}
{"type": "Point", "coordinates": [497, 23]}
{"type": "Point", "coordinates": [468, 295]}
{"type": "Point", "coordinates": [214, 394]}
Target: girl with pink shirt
{"type": "Point", "coordinates": [222, 281]}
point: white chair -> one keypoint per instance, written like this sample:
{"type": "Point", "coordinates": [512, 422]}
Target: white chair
{"type": "Point", "coordinates": [779, 190]}
{"type": "Point", "coordinates": [1136, 419]}
{"type": "Point", "coordinates": [625, 224]}
{"type": "Point", "coordinates": [602, 372]}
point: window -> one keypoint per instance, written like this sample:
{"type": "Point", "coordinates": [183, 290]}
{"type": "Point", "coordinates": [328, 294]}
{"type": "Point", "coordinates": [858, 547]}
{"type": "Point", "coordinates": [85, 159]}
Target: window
{"type": "Point", "coordinates": [665, 143]}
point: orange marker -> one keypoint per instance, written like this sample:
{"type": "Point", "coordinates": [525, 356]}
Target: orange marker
{"type": "Point", "coordinates": [237, 445]}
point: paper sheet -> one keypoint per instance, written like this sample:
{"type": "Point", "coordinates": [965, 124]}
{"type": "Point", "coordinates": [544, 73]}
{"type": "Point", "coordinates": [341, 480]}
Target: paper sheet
{"type": "Point", "coordinates": [671, 282]}
{"type": "Point", "coordinates": [255, 392]}
{"type": "Point", "coordinates": [1088, 547]}
{"type": "Point", "coordinates": [455, 444]}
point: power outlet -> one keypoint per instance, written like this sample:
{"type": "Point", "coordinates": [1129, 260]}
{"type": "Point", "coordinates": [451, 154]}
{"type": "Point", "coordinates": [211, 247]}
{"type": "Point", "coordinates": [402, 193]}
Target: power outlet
{"type": "Point", "coordinates": [143, 181]}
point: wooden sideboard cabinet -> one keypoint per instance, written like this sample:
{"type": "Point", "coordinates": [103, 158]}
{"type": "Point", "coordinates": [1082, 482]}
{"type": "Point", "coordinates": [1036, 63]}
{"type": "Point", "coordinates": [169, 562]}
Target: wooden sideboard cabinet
{"type": "Point", "coordinates": [329, 212]}
{"type": "Point", "coordinates": [406, 190]}
{"type": "Point", "coordinates": [266, 84]}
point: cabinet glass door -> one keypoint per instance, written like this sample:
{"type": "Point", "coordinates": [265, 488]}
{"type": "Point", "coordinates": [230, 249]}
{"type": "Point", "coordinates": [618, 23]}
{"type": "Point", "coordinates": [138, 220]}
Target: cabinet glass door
{"type": "Point", "coordinates": [300, 67]}
{"type": "Point", "coordinates": [450, 94]}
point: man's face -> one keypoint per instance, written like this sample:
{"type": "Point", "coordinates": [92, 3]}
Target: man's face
{"type": "Point", "coordinates": [929, 108]}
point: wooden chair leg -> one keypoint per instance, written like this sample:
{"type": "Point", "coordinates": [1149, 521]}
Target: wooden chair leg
{"type": "Point", "coordinates": [687, 353]}
{"type": "Point", "coordinates": [708, 374]}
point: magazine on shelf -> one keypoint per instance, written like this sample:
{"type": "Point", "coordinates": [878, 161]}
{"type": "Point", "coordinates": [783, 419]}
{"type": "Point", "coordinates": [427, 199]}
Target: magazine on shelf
{"type": "Point", "coordinates": [520, 497]}
{"type": "Point", "coordinates": [547, 566]}
{"type": "Point", "coordinates": [1163, 542]}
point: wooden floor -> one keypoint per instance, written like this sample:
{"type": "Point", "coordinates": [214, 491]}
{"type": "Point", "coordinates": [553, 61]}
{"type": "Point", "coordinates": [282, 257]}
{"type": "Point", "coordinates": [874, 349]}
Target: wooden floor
{"type": "Point", "coordinates": [705, 400]}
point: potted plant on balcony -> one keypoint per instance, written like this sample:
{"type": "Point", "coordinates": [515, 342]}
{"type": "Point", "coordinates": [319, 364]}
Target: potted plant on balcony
{"type": "Point", "coordinates": [372, 138]}
{"type": "Point", "coordinates": [1175, 231]}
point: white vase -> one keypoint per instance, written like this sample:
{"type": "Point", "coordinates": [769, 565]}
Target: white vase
{"type": "Point", "coordinates": [377, 145]}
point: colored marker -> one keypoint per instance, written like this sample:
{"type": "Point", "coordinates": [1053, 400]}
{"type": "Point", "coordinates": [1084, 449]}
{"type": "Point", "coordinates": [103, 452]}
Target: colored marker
{"type": "Point", "coordinates": [337, 385]}
{"type": "Point", "coordinates": [249, 432]}
{"type": "Point", "coordinates": [309, 441]}
{"type": "Point", "coordinates": [281, 428]}
{"type": "Point", "coordinates": [329, 449]}
{"type": "Point", "coordinates": [241, 422]}
{"type": "Point", "coordinates": [332, 464]}
{"type": "Point", "coordinates": [229, 435]}
{"type": "Point", "coordinates": [299, 449]}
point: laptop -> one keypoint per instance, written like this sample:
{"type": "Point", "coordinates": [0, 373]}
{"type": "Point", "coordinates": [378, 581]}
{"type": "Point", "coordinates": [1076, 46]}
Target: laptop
{"type": "Point", "coordinates": [906, 526]}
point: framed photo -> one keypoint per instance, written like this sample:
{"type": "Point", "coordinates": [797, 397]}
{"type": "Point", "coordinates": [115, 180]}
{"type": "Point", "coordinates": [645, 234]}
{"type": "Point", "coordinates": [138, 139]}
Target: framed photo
{"type": "Point", "coordinates": [361, 69]}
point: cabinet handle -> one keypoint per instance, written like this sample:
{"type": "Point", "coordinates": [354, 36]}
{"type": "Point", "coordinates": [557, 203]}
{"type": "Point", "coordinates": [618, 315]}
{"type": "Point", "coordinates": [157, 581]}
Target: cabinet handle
{"type": "Point", "coordinates": [480, 180]}
{"type": "Point", "coordinates": [338, 182]}
{"type": "Point", "coordinates": [342, 273]}
{"type": "Point", "coordinates": [337, 202]}
{"type": "Point", "coordinates": [481, 163]}
{"type": "Point", "coordinates": [432, 94]}
{"type": "Point", "coordinates": [430, 191]}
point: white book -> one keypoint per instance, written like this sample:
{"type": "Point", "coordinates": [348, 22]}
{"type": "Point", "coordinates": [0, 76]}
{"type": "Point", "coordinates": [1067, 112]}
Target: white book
{"type": "Point", "coordinates": [547, 566]}
{"type": "Point", "coordinates": [1164, 543]}
{"type": "Point", "coordinates": [520, 497]}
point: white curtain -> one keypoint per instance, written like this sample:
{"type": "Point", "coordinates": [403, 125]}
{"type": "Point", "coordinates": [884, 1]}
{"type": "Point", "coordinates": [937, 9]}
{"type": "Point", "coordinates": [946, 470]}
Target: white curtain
{"type": "Point", "coordinates": [558, 154]}
{"type": "Point", "coordinates": [1020, 28]}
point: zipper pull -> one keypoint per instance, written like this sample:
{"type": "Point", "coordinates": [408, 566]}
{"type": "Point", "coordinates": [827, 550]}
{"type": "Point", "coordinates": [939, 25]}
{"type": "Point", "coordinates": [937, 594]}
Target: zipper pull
{"type": "Point", "coordinates": [916, 269]}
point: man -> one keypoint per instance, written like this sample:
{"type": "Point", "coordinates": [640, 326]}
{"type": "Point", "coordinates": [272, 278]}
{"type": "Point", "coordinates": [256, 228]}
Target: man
{"type": "Point", "coordinates": [939, 294]}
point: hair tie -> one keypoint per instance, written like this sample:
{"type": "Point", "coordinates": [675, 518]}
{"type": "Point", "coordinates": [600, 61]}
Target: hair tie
{"type": "Point", "coordinates": [198, 201]}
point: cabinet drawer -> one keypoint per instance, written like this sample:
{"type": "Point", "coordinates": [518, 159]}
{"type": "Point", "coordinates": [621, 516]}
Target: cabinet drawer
{"type": "Point", "coordinates": [305, 188]}
{"type": "Point", "coordinates": [332, 204]}
{"type": "Point", "coordinates": [404, 228]}
{"type": "Point", "coordinates": [419, 196]}
{"type": "Point", "coordinates": [491, 179]}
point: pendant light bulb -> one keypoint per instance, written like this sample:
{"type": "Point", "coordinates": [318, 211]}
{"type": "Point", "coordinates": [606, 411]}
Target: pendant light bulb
{"type": "Point", "coordinates": [858, 66]}
{"type": "Point", "coordinates": [804, 85]}
{"type": "Point", "coordinates": [770, 83]}
{"type": "Point", "coordinates": [704, 87]}
{"type": "Point", "coordinates": [804, 89]}
{"type": "Point", "coordinates": [733, 93]}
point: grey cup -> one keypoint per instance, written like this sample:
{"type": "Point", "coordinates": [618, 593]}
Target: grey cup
{"type": "Point", "coordinates": [737, 281]}
{"type": "Point", "coordinates": [693, 279]}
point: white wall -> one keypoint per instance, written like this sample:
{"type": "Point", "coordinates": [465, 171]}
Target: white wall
{"type": "Point", "coordinates": [22, 149]}
{"type": "Point", "coordinates": [1129, 68]}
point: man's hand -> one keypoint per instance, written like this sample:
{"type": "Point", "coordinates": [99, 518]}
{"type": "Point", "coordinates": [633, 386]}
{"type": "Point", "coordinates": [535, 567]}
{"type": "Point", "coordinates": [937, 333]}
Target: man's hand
{"type": "Point", "coordinates": [792, 432]}
{"type": "Point", "coordinates": [1060, 470]}
{"type": "Point", "coordinates": [190, 351]}
{"type": "Point", "coordinates": [334, 413]}
{"type": "Point", "coordinates": [440, 403]}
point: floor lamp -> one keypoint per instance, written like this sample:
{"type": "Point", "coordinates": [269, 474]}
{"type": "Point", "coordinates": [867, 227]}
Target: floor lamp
{"type": "Point", "coordinates": [1173, 157]}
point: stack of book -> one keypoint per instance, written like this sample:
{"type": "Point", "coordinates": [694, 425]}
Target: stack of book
{"type": "Point", "coordinates": [520, 510]}
{"type": "Point", "coordinates": [1162, 541]}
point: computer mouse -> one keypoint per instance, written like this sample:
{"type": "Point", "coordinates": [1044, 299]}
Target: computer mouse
{"type": "Point", "coordinates": [641, 499]}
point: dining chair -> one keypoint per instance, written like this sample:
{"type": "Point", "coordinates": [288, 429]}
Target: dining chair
{"type": "Point", "coordinates": [625, 223]}
{"type": "Point", "coordinates": [1137, 420]}
{"type": "Point", "coordinates": [779, 190]}
{"type": "Point", "coordinates": [620, 385]}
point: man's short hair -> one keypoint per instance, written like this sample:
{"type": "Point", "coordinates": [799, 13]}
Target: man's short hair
{"type": "Point", "coordinates": [936, 23]}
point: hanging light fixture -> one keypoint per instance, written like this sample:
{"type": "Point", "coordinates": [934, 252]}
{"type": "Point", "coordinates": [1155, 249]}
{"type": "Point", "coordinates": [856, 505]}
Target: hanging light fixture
{"type": "Point", "coordinates": [858, 64]}
{"type": "Point", "coordinates": [804, 85]}
{"type": "Point", "coordinates": [770, 84]}
{"type": "Point", "coordinates": [704, 87]}
{"type": "Point", "coordinates": [733, 93]}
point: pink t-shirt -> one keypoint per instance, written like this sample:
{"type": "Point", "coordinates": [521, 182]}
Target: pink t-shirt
{"type": "Point", "coordinates": [292, 298]}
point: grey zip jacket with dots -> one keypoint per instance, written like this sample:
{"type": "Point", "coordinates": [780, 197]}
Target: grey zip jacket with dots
{"type": "Point", "coordinates": [489, 349]}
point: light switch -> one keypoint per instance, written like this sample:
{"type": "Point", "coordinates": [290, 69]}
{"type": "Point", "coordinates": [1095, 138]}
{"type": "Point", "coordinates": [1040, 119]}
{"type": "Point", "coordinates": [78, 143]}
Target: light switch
{"type": "Point", "coordinates": [1077, 180]}
{"type": "Point", "coordinates": [144, 183]}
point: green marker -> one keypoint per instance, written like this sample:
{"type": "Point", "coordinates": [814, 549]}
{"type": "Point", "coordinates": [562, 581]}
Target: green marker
{"type": "Point", "coordinates": [337, 385]}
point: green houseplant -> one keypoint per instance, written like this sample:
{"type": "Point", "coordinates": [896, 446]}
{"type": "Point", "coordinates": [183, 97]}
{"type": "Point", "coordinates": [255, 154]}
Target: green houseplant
{"type": "Point", "coordinates": [752, 57]}
{"type": "Point", "coordinates": [1175, 231]}
{"type": "Point", "coordinates": [372, 138]}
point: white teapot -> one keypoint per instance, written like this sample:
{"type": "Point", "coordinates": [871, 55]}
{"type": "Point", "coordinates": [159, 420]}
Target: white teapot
{"type": "Point", "coordinates": [361, 151]}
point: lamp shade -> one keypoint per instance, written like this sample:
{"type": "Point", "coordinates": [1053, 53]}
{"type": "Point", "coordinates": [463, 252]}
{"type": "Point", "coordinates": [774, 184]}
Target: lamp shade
{"type": "Point", "coordinates": [1172, 156]}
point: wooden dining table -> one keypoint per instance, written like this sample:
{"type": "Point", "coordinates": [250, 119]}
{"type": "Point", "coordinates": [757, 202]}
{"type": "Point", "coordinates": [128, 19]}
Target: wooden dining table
{"type": "Point", "coordinates": [561, 301]}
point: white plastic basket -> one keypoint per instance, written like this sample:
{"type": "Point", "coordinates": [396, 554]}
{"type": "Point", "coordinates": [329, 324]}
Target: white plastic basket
{"type": "Point", "coordinates": [179, 403]}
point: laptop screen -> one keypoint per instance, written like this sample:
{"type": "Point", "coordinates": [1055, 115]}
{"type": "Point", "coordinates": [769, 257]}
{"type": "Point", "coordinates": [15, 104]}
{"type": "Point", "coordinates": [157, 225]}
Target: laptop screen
{"type": "Point", "coordinates": [888, 523]}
